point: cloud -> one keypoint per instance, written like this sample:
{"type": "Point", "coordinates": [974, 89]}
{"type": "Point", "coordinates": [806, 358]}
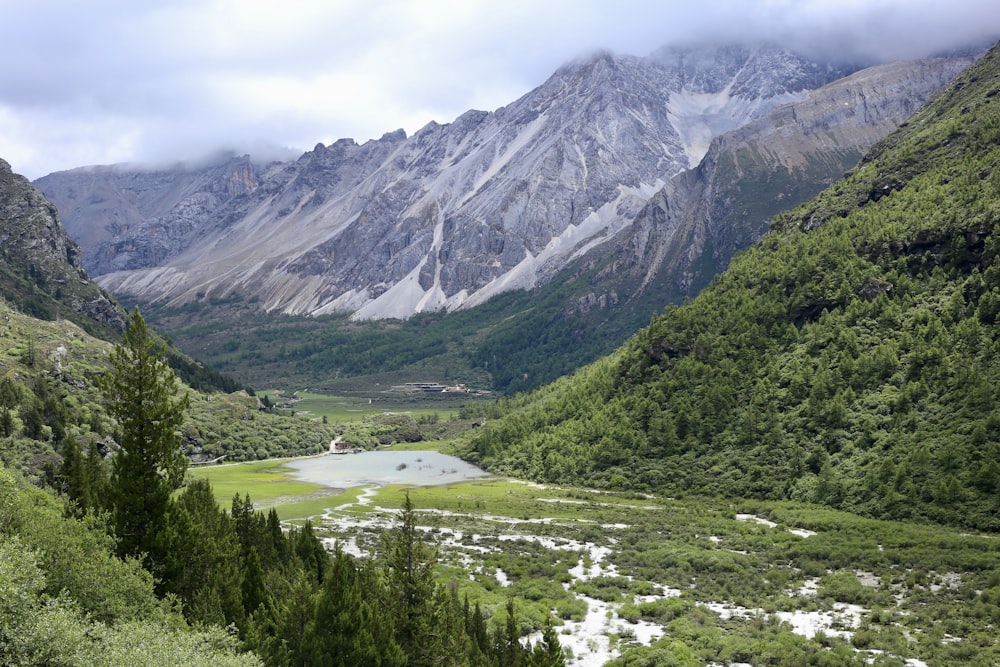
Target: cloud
{"type": "Point", "coordinates": [113, 81]}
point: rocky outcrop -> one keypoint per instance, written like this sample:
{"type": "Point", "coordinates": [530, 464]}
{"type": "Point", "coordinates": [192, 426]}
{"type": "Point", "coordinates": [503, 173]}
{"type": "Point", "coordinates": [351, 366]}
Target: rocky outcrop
{"type": "Point", "coordinates": [40, 268]}
{"type": "Point", "coordinates": [128, 218]}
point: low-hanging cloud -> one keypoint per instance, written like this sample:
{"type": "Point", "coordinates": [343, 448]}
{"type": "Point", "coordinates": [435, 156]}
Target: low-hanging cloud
{"type": "Point", "coordinates": [106, 81]}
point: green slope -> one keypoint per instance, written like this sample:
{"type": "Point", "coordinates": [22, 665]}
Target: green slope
{"type": "Point", "coordinates": [849, 358]}
{"type": "Point", "coordinates": [66, 599]}
{"type": "Point", "coordinates": [48, 400]}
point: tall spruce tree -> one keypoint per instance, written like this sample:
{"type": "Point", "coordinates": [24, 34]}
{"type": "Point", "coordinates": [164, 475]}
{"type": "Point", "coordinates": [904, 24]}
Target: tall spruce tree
{"type": "Point", "coordinates": [145, 398]}
{"type": "Point", "coordinates": [411, 593]}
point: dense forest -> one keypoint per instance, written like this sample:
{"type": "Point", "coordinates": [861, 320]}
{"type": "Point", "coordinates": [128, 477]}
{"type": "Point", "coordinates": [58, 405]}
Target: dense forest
{"type": "Point", "coordinates": [850, 358]}
{"type": "Point", "coordinates": [518, 340]}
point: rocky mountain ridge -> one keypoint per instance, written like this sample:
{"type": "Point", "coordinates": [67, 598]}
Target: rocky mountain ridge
{"type": "Point", "coordinates": [692, 227]}
{"type": "Point", "coordinates": [444, 219]}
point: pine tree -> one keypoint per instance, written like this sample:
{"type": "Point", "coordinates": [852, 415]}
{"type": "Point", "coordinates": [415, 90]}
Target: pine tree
{"type": "Point", "coordinates": [253, 589]}
{"type": "Point", "coordinates": [548, 652]}
{"type": "Point", "coordinates": [509, 650]}
{"type": "Point", "coordinates": [345, 631]}
{"type": "Point", "coordinates": [202, 565]}
{"type": "Point", "coordinates": [311, 552]}
{"type": "Point", "coordinates": [6, 423]}
{"type": "Point", "coordinates": [97, 477]}
{"type": "Point", "coordinates": [411, 590]}
{"type": "Point", "coordinates": [73, 477]}
{"type": "Point", "coordinates": [144, 396]}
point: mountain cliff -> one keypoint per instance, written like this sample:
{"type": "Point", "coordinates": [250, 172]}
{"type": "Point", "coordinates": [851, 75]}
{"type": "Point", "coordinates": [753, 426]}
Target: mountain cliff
{"type": "Point", "coordinates": [444, 219]}
{"type": "Point", "coordinates": [849, 358]}
{"type": "Point", "coordinates": [691, 228]}
{"type": "Point", "coordinates": [128, 217]}
{"type": "Point", "coordinates": [40, 268]}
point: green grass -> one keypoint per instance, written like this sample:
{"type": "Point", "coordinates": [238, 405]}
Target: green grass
{"type": "Point", "coordinates": [298, 509]}
{"type": "Point", "coordinates": [265, 481]}
{"type": "Point", "coordinates": [269, 483]}
{"type": "Point", "coordinates": [443, 446]}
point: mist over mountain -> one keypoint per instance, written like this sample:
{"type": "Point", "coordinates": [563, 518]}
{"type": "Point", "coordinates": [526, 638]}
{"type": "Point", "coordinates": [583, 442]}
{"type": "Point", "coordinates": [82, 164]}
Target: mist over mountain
{"type": "Point", "coordinates": [444, 219]}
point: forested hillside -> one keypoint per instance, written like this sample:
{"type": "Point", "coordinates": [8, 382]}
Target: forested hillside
{"type": "Point", "coordinates": [850, 358]}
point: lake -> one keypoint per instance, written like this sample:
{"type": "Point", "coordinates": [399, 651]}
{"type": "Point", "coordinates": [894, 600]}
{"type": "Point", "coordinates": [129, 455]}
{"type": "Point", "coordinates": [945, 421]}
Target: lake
{"type": "Point", "coordinates": [420, 468]}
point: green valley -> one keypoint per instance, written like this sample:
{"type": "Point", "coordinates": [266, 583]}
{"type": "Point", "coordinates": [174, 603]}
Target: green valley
{"type": "Point", "coordinates": [799, 466]}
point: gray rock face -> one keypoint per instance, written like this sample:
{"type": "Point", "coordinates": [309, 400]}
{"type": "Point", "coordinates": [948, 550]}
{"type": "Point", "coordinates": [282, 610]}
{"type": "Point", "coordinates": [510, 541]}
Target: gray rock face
{"type": "Point", "coordinates": [449, 217]}
{"type": "Point", "coordinates": [690, 229]}
{"type": "Point", "coordinates": [40, 265]}
{"type": "Point", "coordinates": [127, 218]}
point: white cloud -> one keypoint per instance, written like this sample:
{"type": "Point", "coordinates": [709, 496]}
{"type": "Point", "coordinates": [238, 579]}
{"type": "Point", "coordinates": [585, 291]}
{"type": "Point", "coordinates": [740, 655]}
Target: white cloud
{"type": "Point", "coordinates": [111, 80]}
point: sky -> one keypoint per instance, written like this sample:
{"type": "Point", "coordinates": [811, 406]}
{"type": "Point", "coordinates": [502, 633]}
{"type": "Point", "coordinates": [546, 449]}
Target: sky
{"type": "Point", "coordinates": [87, 82]}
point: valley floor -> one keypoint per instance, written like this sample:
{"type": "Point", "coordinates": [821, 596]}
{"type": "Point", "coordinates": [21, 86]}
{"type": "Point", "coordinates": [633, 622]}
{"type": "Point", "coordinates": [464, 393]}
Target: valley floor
{"type": "Point", "coordinates": [641, 580]}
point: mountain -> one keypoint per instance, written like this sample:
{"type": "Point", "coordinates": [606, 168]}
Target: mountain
{"type": "Point", "coordinates": [42, 277]}
{"type": "Point", "coordinates": [752, 173]}
{"type": "Point", "coordinates": [688, 231]}
{"type": "Point", "coordinates": [606, 276]}
{"type": "Point", "coordinates": [849, 358]}
{"type": "Point", "coordinates": [444, 219]}
{"type": "Point", "coordinates": [127, 217]}
{"type": "Point", "coordinates": [40, 266]}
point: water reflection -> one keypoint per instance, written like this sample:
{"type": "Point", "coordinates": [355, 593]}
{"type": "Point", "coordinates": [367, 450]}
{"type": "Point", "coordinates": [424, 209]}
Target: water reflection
{"type": "Point", "coordinates": [422, 468]}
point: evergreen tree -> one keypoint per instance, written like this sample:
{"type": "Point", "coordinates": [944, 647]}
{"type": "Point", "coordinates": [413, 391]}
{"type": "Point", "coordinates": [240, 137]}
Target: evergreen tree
{"type": "Point", "coordinates": [345, 630]}
{"type": "Point", "coordinates": [144, 397]}
{"type": "Point", "coordinates": [254, 590]}
{"type": "Point", "coordinates": [6, 423]}
{"type": "Point", "coordinates": [475, 628]}
{"type": "Point", "coordinates": [548, 652]}
{"type": "Point", "coordinates": [509, 651]}
{"type": "Point", "coordinates": [10, 398]}
{"type": "Point", "coordinates": [73, 477]}
{"type": "Point", "coordinates": [10, 394]}
{"type": "Point", "coordinates": [311, 552]}
{"type": "Point", "coordinates": [245, 521]}
{"type": "Point", "coordinates": [97, 477]}
{"type": "Point", "coordinates": [32, 419]}
{"type": "Point", "coordinates": [410, 591]}
{"type": "Point", "coordinates": [279, 545]}
{"type": "Point", "coordinates": [276, 634]}
{"type": "Point", "coordinates": [202, 558]}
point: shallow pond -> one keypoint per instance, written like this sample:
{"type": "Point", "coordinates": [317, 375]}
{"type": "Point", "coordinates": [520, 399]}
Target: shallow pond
{"type": "Point", "coordinates": [422, 468]}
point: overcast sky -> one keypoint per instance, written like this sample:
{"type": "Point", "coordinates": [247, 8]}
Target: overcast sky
{"type": "Point", "coordinates": [103, 81]}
